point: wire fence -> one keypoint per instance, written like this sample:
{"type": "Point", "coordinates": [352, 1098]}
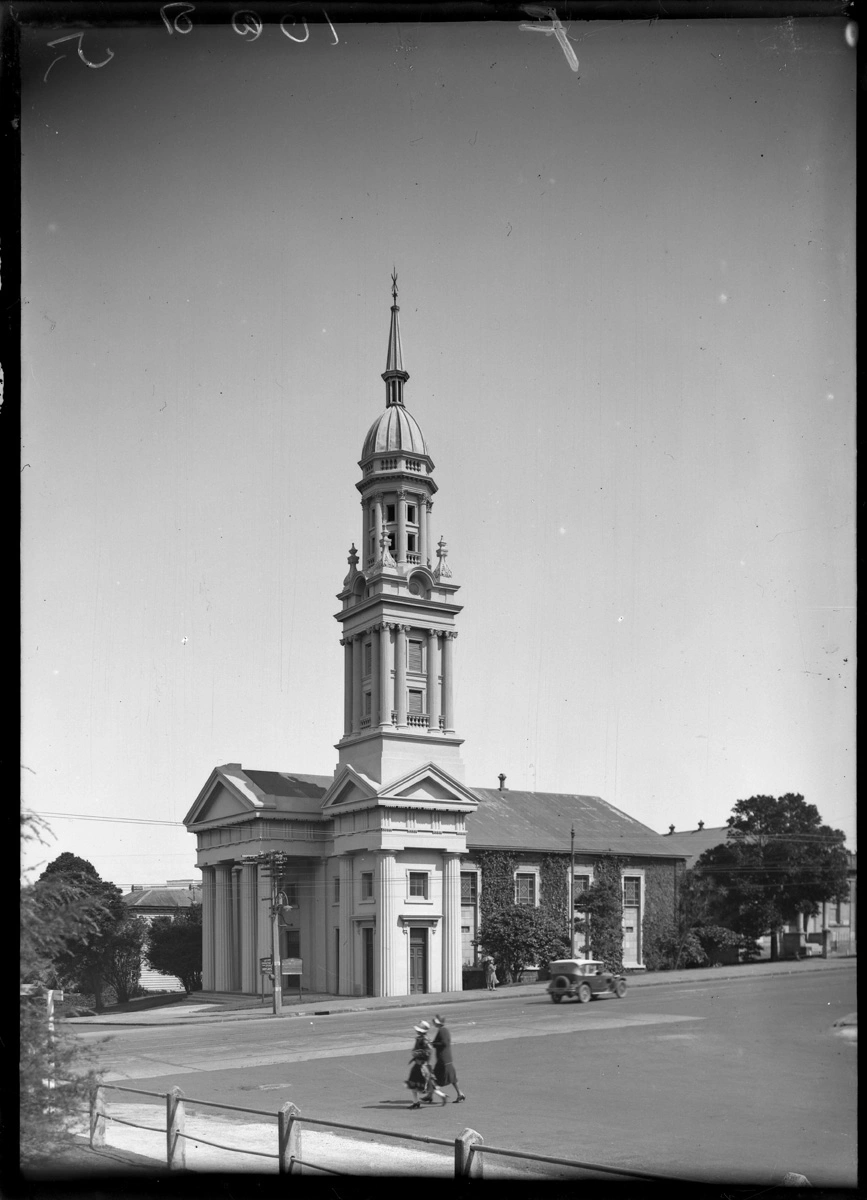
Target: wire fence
{"type": "Point", "coordinates": [469, 1147]}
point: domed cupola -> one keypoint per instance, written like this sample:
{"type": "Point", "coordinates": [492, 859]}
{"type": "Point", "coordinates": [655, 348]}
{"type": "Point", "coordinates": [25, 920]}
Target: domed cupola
{"type": "Point", "coordinates": [395, 431]}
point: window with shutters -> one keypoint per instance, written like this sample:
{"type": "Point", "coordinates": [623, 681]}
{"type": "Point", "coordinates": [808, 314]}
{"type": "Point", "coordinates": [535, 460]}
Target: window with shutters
{"type": "Point", "coordinates": [367, 704]}
{"type": "Point", "coordinates": [414, 656]}
{"type": "Point", "coordinates": [368, 658]}
{"type": "Point", "coordinates": [416, 701]}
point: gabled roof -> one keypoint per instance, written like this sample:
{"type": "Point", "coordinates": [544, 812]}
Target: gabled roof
{"type": "Point", "coordinates": [513, 820]}
{"type": "Point", "coordinates": [233, 791]}
{"type": "Point", "coordinates": [163, 897]}
{"type": "Point", "coordinates": [693, 842]}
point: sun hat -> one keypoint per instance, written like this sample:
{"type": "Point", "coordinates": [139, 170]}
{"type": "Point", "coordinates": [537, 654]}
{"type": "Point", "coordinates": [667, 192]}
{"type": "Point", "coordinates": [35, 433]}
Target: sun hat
{"type": "Point", "coordinates": [423, 1027]}
{"type": "Point", "coordinates": [438, 1020]}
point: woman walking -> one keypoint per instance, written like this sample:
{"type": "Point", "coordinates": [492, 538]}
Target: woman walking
{"type": "Point", "coordinates": [444, 1068]}
{"type": "Point", "coordinates": [421, 1081]}
{"type": "Point", "coordinates": [490, 974]}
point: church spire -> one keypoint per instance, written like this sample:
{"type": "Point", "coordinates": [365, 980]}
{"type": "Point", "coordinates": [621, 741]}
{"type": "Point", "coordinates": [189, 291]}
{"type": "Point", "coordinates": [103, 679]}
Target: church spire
{"type": "Point", "coordinates": [394, 375]}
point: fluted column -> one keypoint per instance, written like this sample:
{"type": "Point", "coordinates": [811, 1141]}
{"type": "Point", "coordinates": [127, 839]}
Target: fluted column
{"type": "Point", "coordinates": [264, 945]}
{"type": "Point", "coordinates": [249, 959]}
{"type": "Point", "coordinates": [452, 965]}
{"type": "Point", "coordinates": [385, 690]}
{"type": "Point", "coordinates": [386, 923]}
{"type": "Point", "coordinates": [400, 675]}
{"type": "Point", "coordinates": [375, 674]}
{"type": "Point", "coordinates": [346, 643]}
{"type": "Point", "coordinates": [209, 917]}
{"type": "Point", "coordinates": [428, 505]}
{"type": "Point", "coordinates": [356, 683]}
{"type": "Point", "coordinates": [344, 985]}
{"type": "Point", "coordinates": [223, 929]}
{"type": "Point", "coordinates": [401, 525]}
{"type": "Point", "coordinates": [433, 680]}
{"type": "Point", "coordinates": [448, 680]}
{"type": "Point", "coordinates": [236, 928]}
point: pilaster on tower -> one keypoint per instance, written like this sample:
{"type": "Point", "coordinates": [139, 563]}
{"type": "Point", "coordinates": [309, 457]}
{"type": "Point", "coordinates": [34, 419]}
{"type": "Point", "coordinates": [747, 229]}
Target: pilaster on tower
{"type": "Point", "coordinates": [398, 604]}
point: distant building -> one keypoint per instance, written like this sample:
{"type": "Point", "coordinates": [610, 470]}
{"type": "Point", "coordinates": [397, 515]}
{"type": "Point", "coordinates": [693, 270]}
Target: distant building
{"type": "Point", "coordinates": [161, 900]}
{"type": "Point", "coordinates": [387, 856]}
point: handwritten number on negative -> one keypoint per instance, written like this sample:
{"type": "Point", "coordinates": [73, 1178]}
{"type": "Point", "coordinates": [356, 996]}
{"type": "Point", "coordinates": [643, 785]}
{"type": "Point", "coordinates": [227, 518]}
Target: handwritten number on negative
{"type": "Point", "coordinates": [79, 37]}
{"type": "Point", "coordinates": [180, 23]}
{"type": "Point", "coordinates": [246, 22]}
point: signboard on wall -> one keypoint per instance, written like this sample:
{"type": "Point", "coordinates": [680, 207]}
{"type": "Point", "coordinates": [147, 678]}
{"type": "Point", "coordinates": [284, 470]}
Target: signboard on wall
{"type": "Point", "coordinates": [291, 966]}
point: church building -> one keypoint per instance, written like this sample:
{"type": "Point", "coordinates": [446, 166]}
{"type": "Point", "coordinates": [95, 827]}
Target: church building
{"type": "Point", "coordinates": [385, 860]}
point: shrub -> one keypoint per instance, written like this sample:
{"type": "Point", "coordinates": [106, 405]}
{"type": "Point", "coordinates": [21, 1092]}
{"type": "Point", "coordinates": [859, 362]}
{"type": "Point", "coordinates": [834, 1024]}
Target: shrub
{"type": "Point", "coordinates": [519, 936]}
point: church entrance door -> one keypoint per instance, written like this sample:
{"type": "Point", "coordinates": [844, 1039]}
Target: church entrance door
{"type": "Point", "coordinates": [417, 960]}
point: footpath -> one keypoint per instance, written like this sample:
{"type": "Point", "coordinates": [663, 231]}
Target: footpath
{"type": "Point", "coordinates": [141, 1151]}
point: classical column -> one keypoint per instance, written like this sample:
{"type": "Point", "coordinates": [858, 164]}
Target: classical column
{"type": "Point", "coordinates": [346, 643]}
{"type": "Point", "coordinates": [375, 674]}
{"type": "Point", "coordinates": [428, 505]}
{"type": "Point", "coordinates": [433, 680]}
{"type": "Point", "coordinates": [356, 682]}
{"type": "Point", "coordinates": [209, 917]}
{"type": "Point", "coordinates": [344, 984]}
{"type": "Point", "coordinates": [386, 922]}
{"type": "Point", "coordinates": [377, 523]}
{"type": "Point", "coordinates": [400, 674]}
{"type": "Point", "coordinates": [386, 693]}
{"type": "Point", "coordinates": [263, 926]}
{"type": "Point", "coordinates": [223, 929]}
{"type": "Point", "coordinates": [452, 965]}
{"type": "Point", "coordinates": [422, 531]}
{"type": "Point", "coordinates": [401, 525]}
{"type": "Point", "coordinates": [366, 522]}
{"type": "Point", "coordinates": [448, 680]}
{"type": "Point", "coordinates": [236, 927]}
{"type": "Point", "coordinates": [249, 957]}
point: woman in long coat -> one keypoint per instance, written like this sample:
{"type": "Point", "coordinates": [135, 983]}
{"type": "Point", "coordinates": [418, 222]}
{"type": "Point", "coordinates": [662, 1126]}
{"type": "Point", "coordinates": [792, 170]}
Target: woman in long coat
{"type": "Point", "coordinates": [444, 1068]}
{"type": "Point", "coordinates": [421, 1080]}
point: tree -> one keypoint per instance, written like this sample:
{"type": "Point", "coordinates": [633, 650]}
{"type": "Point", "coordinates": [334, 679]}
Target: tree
{"type": "Point", "coordinates": [56, 1070]}
{"type": "Point", "coordinates": [601, 907]}
{"type": "Point", "coordinates": [175, 946]}
{"type": "Point", "coordinates": [121, 958]}
{"type": "Point", "coordinates": [81, 961]}
{"type": "Point", "coordinates": [519, 935]}
{"type": "Point", "coordinates": [778, 863]}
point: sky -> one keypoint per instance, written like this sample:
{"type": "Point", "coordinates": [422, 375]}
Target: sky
{"type": "Point", "coordinates": [627, 311]}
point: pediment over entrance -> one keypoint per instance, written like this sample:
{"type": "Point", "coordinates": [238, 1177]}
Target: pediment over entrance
{"type": "Point", "coordinates": [226, 794]}
{"type": "Point", "coordinates": [429, 786]}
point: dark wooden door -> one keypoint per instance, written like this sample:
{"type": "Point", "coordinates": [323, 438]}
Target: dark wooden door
{"type": "Point", "coordinates": [367, 934]}
{"type": "Point", "coordinates": [417, 960]}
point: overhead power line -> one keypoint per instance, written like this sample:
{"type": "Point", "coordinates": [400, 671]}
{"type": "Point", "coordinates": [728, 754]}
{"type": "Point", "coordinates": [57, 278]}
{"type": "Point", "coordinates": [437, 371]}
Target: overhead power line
{"type": "Point", "coordinates": [89, 817]}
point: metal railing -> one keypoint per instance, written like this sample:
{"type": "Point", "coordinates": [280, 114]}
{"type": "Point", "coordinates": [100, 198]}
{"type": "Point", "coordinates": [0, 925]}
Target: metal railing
{"type": "Point", "coordinates": [469, 1146]}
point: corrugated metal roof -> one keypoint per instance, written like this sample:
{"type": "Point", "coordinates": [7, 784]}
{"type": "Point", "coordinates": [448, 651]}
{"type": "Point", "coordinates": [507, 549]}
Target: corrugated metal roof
{"type": "Point", "coordinates": [279, 783]}
{"type": "Point", "coordinates": [514, 820]}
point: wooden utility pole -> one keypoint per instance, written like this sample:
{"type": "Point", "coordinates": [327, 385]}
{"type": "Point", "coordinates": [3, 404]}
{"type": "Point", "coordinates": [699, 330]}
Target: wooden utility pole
{"type": "Point", "coordinates": [572, 895]}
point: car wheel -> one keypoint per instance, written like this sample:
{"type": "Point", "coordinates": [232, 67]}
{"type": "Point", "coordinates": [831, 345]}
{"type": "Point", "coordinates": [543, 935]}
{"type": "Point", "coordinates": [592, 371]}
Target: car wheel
{"type": "Point", "coordinates": [556, 997]}
{"type": "Point", "coordinates": [620, 989]}
{"type": "Point", "coordinates": [584, 993]}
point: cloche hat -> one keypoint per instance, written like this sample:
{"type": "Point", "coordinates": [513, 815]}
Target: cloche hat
{"type": "Point", "coordinates": [438, 1020]}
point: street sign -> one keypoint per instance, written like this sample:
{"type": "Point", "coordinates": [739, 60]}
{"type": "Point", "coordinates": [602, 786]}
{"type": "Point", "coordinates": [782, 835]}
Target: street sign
{"type": "Point", "coordinates": [266, 964]}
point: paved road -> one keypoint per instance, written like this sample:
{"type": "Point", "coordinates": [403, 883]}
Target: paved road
{"type": "Point", "coordinates": [735, 1080]}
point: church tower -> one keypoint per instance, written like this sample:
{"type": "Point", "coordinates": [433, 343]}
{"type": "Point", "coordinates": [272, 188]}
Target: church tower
{"type": "Point", "coordinates": [398, 602]}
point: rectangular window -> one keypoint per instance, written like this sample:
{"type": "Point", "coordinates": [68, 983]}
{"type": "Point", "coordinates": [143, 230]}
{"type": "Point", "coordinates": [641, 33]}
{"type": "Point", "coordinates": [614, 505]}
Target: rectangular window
{"type": "Point", "coordinates": [525, 889]}
{"type": "Point", "coordinates": [469, 887]}
{"type": "Point", "coordinates": [418, 884]}
{"type": "Point", "coordinates": [411, 515]}
{"type": "Point", "coordinates": [336, 889]}
{"type": "Point", "coordinates": [413, 656]}
{"type": "Point", "coordinates": [410, 542]}
{"type": "Point", "coordinates": [367, 703]}
{"type": "Point", "coordinates": [631, 891]}
{"type": "Point", "coordinates": [367, 885]}
{"type": "Point", "coordinates": [580, 887]}
{"type": "Point", "coordinates": [389, 512]}
{"type": "Point", "coordinates": [368, 657]}
{"type": "Point", "coordinates": [416, 701]}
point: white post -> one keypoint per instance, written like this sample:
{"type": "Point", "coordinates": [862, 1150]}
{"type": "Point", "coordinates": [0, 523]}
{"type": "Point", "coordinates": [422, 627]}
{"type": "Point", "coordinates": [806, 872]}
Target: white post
{"type": "Point", "coordinates": [97, 1117]}
{"type": "Point", "coordinates": [466, 1162]}
{"type": "Point", "coordinates": [175, 1141]}
{"type": "Point", "coordinates": [288, 1140]}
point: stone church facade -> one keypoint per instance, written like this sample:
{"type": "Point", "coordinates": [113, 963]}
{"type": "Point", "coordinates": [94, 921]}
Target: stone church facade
{"type": "Point", "coordinates": [379, 903]}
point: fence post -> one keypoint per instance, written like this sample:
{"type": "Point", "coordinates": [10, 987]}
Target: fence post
{"type": "Point", "coordinates": [288, 1140]}
{"type": "Point", "coordinates": [466, 1162]}
{"type": "Point", "coordinates": [176, 1146]}
{"type": "Point", "coordinates": [97, 1117]}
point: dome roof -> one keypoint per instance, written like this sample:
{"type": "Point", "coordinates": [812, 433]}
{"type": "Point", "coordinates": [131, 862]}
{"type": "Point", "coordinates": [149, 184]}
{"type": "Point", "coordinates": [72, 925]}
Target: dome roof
{"type": "Point", "coordinates": [394, 431]}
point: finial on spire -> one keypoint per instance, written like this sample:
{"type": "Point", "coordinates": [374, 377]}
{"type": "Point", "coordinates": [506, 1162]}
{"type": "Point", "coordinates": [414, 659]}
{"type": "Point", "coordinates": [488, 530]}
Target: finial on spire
{"type": "Point", "coordinates": [443, 570]}
{"type": "Point", "coordinates": [394, 284]}
{"type": "Point", "coordinates": [394, 375]}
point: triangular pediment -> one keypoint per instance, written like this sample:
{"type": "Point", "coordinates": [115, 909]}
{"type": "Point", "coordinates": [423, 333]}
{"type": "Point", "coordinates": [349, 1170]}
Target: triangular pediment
{"type": "Point", "coordinates": [428, 785]}
{"type": "Point", "coordinates": [227, 794]}
{"type": "Point", "coordinates": [349, 786]}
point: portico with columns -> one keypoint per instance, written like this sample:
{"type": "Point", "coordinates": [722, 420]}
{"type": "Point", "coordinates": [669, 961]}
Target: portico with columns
{"type": "Point", "coordinates": [373, 852]}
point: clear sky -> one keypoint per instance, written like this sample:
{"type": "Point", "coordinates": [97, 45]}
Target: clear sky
{"type": "Point", "coordinates": [627, 308]}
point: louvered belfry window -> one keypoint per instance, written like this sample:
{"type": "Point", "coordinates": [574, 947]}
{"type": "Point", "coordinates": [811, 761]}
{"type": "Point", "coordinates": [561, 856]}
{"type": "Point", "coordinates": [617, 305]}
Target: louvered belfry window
{"type": "Point", "coordinates": [414, 656]}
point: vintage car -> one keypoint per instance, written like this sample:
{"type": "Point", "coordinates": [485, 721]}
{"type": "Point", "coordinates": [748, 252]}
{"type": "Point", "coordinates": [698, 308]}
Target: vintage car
{"type": "Point", "coordinates": [584, 978]}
